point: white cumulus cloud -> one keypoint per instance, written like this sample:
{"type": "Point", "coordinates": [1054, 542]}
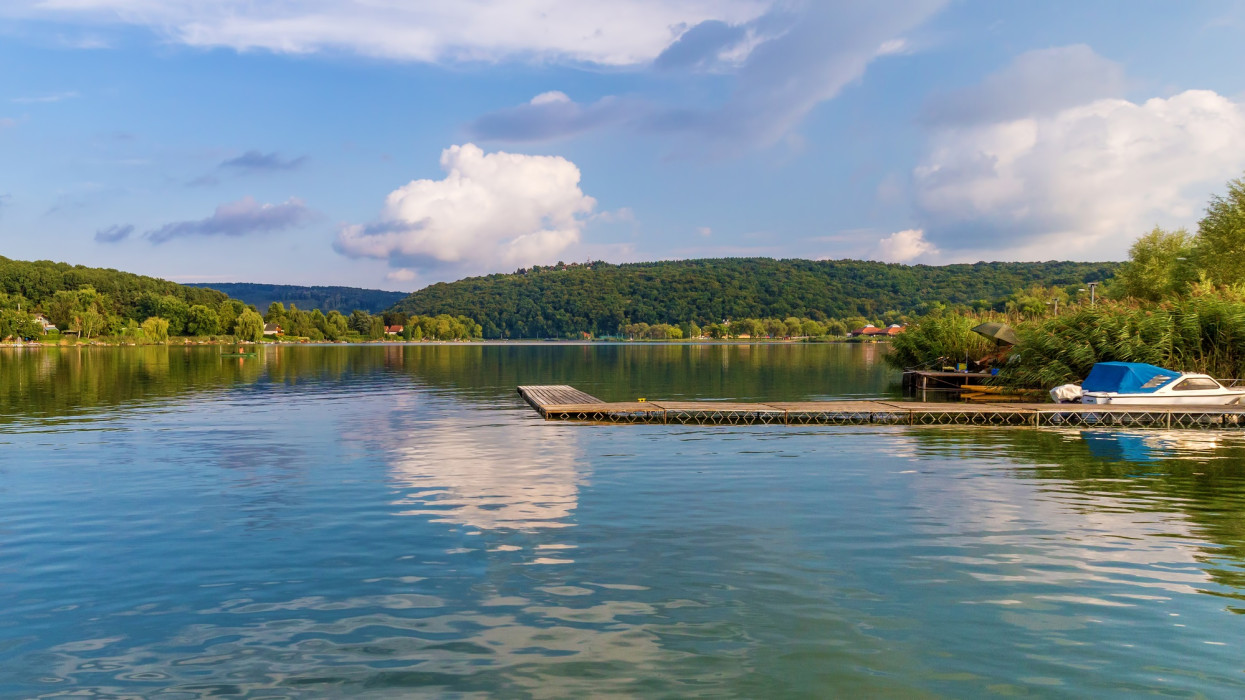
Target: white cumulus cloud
{"type": "Point", "coordinates": [1083, 181]}
{"type": "Point", "coordinates": [491, 211]}
{"type": "Point", "coordinates": [905, 247]}
{"type": "Point", "coordinates": [551, 97]}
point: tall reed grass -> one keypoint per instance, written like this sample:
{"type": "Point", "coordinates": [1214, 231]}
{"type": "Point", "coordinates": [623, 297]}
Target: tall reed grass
{"type": "Point", "coordinates": [1203, 332]}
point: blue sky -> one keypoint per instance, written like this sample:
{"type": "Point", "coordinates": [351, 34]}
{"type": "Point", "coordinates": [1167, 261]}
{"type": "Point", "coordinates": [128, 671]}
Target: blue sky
{"type": "Point", "coordinates": [395, 144]}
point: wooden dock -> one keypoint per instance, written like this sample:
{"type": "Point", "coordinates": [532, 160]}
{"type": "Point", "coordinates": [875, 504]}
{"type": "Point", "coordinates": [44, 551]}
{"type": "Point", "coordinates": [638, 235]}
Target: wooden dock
{"type": "Point", "coordinates": [570, 404]}
{"type": "Point", "coordinates": [915, 380]}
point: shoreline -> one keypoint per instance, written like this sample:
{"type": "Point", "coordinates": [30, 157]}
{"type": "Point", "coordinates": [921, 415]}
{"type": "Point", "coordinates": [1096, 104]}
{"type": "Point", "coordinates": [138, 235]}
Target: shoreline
{"type": "Point", "coordinates": [417, 343]}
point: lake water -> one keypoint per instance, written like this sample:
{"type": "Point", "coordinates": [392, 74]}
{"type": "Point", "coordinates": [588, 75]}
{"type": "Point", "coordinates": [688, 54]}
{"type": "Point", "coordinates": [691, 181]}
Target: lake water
{"type": "Point", "coordinates": [387, 521]}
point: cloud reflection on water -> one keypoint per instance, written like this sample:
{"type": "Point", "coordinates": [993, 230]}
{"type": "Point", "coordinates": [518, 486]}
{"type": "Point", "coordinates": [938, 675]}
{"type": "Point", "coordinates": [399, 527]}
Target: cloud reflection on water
{"type": "Point", "coordinates": [516, 481]}
{"type": "Point", "coordinates": [516, 476]}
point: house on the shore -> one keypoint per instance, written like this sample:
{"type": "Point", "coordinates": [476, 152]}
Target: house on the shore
{"type": "Point", "coordinates": [273, 329]}
{"type": "Point", "coordinates": [394, 330]}
{"type": "Point", "coordinates": [871, 330]}
{"type": "Point", "coordinates": [44, 323]}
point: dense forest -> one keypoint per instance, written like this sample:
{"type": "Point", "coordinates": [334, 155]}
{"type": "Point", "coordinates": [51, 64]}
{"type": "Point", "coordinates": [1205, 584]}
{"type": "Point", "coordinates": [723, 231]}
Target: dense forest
{"type": "Point", "coordinates": [91, 302]}
{"type": "Point", "coordinates": [39, 281]}
{"type": "Point", "coordinates": [326, 299]}
{"type": "Point", "coordinates": [602, 299]}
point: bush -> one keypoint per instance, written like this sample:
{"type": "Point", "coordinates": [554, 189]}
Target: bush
{"type": "Point", "coordinates": [943, 337]}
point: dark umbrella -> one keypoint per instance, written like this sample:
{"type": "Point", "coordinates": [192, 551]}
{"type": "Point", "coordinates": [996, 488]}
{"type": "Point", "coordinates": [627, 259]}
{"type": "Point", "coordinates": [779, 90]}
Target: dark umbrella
{"type": "Point", "coordinates": [998, 331]}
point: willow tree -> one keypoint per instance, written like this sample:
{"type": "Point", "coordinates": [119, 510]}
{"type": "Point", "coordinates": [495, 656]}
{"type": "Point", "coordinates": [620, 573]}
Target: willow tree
{"type": "Point", "coordinates": [156, 329]}
{"type": "Point", "coordinates": [335, 325]}
{"type": "Point", "coordinates": [250, 326]}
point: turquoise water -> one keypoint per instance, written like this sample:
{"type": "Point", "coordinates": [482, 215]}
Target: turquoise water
{"type": "Point", "coordinates": [390, 521]}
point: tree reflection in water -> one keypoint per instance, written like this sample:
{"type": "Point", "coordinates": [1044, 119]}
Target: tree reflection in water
{"type": "Point", "coordinates": [1189, 486]}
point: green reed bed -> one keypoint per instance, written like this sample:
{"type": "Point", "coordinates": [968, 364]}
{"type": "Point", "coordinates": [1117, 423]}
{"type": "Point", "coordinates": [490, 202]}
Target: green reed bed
{"type": "Point", "coordinates": [1204, 332]}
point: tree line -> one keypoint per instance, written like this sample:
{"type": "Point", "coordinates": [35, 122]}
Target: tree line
{"type": "Point", "coordinates": [101, 303]}
{"type": "Point", "coordinates": [361, 325]}
{"type": "Point", "coordinates": [790, 327]}
{"type": "Point", "coordinates": [600, 300]}
{"type": "Point", "coordinates": [1168, 264]}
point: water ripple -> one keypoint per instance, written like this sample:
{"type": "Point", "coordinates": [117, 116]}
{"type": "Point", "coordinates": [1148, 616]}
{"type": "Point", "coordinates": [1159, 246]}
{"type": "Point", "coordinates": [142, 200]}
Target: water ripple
{"type": "Point", "coordinates": [392, 520]}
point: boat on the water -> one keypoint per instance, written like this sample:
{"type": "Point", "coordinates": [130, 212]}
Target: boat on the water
{"type": "Point", "coordinates": [1136, 383]}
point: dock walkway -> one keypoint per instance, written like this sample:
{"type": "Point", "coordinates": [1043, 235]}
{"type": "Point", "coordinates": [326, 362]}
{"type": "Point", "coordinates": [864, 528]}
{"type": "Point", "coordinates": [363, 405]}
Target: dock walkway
{"type": "Point", "coordinates": [567, 403]}
{"type": "Point", "coordinates": [927, 380]}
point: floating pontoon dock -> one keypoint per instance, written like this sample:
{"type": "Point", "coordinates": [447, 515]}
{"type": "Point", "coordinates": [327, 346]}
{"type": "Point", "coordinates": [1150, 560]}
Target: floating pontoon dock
{"type": "Point", "coordinates": [570, 404]}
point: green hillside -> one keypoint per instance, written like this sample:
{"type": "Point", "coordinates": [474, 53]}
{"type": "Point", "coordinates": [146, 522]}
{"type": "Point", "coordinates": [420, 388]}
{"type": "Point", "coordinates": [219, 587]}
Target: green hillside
{"type": "Point", "coordinates": [326, 299]}
{"type": "Point", "coordinates": [38, 282]}
{"type": "Point", "coordinates": [94, 301]}
{"type": "Point", "coordinates": [600, 298]}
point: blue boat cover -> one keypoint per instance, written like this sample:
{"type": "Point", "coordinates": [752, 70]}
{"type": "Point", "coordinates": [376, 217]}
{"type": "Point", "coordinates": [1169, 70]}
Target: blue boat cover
{"type": "Point", "coordinates": [1127, 378]}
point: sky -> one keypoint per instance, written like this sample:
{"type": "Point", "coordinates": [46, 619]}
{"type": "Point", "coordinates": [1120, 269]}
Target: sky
{"type": "Point", "coordinates": [396, 143]}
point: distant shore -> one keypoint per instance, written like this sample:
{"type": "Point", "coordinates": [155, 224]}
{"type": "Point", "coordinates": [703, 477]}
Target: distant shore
{"type": "Point", "coordinates": [401, 343]}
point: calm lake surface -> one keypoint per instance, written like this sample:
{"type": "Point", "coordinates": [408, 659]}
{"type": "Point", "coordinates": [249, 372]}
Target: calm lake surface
{"type": "Point", "coordinates": [387, 521]}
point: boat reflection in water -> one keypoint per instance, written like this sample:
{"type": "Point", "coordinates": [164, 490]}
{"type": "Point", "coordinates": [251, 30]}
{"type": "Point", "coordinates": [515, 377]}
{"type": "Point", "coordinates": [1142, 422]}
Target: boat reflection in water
{"type": "Point", "coordinates": [1128, 446]}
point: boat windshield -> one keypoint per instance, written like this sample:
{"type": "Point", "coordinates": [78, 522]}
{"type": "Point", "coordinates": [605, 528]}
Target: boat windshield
{"type": "Point", "coordinates": [1197, 383]}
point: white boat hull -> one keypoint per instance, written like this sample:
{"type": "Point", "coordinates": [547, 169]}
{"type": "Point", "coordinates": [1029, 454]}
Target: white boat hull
{"type": "Point", "coordinates": [1187, 398]}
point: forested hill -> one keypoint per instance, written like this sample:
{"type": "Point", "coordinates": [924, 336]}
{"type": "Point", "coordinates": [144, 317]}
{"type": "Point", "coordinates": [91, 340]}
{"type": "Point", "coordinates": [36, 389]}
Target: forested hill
{"type": "Point", "coordinates": [38, 282]}
{"type": "Point", "coordinates": [326, 299]}
{"type": "Point", "coordinates": [598, 298]}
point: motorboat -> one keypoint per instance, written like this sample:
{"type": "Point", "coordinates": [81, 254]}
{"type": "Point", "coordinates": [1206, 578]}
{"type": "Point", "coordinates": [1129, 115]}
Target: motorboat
{"type": "Point", "coordinates": [1136, 383]}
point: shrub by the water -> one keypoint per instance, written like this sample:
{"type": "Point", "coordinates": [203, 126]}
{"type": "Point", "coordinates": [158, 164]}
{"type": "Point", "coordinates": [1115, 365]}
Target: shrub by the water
{"type": "Point", "coordinates": [943, 337]}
